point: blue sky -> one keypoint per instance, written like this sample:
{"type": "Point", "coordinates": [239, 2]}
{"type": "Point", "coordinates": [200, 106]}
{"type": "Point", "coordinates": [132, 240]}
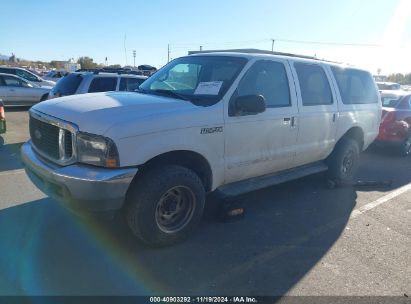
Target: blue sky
{"type": "Point", "coordinates": [58, 30]}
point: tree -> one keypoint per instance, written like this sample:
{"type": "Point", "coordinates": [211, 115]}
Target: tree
{"type": "Point", "coordinates": [114, 66]}
{"type": "Point", "coordinates": [87, 63]}
{"type": "Point", "coordinates": [12, 58]}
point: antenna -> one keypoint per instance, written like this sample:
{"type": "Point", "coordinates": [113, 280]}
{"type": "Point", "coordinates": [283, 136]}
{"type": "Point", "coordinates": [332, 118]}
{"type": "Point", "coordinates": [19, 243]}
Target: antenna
{"type": "Point", "coordinates": [125, 50]}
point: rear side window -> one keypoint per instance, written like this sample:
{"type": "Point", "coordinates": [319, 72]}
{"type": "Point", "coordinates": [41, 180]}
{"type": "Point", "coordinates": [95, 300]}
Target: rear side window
{"type": "Point", "coordinates": [103, 84]}
{"type": "Point", "coordinates": [314, 85]}
{"type": "Point", "coordinates": [130, 84]}
{"type": "Point", "coordinates": [68, 85]}
{"type": "Point", "coordinates": [356, 87]}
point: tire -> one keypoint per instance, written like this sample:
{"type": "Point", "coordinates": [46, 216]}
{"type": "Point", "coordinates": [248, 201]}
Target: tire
{"type": "Point", "coordinates": [343, 162]}
{"type": "Point", "coordinates": [44, 97]}
{"type": "Point", "coordinates": [405, 148]}
{"type": "Point", "coordinates": [164, 205]}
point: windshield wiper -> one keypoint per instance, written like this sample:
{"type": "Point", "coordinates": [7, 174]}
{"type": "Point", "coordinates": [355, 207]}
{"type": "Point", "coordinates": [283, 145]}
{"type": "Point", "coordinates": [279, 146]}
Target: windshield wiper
{"type": "Point", "coordinates": [170, 93]}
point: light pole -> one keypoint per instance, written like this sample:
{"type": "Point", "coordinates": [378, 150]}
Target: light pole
{"type": "Point", "coordinates": [134, 55]}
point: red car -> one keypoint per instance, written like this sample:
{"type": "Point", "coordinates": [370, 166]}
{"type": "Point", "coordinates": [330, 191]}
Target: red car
{"type": "Point", "coordinates": [2, 118]}
{"type": "Point", "coordinates": [395, 127]}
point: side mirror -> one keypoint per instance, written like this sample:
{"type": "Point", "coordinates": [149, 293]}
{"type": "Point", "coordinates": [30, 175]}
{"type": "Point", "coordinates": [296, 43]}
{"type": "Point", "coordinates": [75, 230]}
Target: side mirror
{"type": "Point", "coordinates": [250, 104]}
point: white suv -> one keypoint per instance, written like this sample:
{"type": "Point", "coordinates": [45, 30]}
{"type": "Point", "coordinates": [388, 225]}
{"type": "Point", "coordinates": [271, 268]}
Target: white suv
{"type": "Point", "coordinates": [229, 121]}
{"type": "Point", "coordinates": [96, 81]}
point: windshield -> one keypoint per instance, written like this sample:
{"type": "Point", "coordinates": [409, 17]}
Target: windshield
{"type": "Point", "coordinates": [203, 80]}
{"type": "Point", "coordinates": [390, 101]}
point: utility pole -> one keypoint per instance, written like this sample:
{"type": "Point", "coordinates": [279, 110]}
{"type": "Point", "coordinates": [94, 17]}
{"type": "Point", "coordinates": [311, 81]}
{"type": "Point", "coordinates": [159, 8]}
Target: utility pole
{"type": "Point", "coordinates": [134, 55]}
{"type": "Point", "coordinates": [168, 53]}
{"type": "Point", "coordinates": [272, 45]}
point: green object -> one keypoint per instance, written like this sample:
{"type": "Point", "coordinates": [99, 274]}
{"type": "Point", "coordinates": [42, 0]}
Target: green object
{"type": "Point", "coordinates": [2, 126]}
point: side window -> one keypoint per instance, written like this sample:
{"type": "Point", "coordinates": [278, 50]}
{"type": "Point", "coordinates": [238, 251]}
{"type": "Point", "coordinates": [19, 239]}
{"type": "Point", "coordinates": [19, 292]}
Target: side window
{"type": "Point", "coordinates": [103, 84]}
{"type": "Point", "coordinates": [12, 82]}
{"type": "Point", "coordinates": [356, 86]}
{"type": "Point", "coordinates": [2, 82]}
{"type": "Point", "coordinates": [25, 75]}
{"type": "Point", "coordinates": [269, 79]}
{"type": "Point", "coordinates": [314, 85]}
{"type": "Point", "coordinates": [130, 84]}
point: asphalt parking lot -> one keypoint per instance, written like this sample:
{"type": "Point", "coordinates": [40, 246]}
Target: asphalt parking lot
{"type": "Point", "coordinates": [299, 238]}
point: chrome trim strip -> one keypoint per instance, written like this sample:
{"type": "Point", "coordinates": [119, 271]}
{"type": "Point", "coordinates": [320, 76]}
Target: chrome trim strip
{"type": "Point", "coordinates": [62, 147]}
{"type": "Point", "coordinates": [63, 125]}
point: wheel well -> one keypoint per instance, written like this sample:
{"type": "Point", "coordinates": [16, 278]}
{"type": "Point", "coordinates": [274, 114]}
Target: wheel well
{"type": "Point", "coordinates": [188, 159]}
{"type": "Point", "coordinates": [44, 97]}
{"type": "Point", "coordinates": [357, 134]}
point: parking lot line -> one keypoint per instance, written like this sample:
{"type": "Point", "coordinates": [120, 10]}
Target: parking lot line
{"type": "Point", "coordinates": [12, 172]}
{"type": "Point", "coordinates": [380, 201]}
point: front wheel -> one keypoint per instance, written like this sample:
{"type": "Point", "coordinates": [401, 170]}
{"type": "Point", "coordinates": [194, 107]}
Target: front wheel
{"type": "Point", "coordinates": [343, 162]}
{"type": "Point", "coordinates": [165, 205]}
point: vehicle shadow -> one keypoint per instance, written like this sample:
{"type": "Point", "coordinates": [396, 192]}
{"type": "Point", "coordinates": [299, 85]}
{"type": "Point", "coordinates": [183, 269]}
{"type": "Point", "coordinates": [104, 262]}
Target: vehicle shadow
{"type": "Point", "coordinates": [287, 229]}
{"type": "Point", "coordinates": [10, 156]}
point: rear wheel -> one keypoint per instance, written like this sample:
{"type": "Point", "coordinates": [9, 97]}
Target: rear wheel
{"type": "Point", "coordinates": [44, 97]}
{"type": "Point", "coordinates": [406, 147]}
{"type": "Point", "coordinates": [165, 205]}
{"type": "Point", "coordinates": [343, 163]}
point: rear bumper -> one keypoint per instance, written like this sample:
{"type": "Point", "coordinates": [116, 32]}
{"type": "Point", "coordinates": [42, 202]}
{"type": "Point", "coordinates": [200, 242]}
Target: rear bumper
{"type": "Point", "coordinates": [78, 186]}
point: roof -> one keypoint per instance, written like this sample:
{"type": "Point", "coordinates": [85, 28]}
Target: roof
{"type": "Point", "coordinates": [256, 52]}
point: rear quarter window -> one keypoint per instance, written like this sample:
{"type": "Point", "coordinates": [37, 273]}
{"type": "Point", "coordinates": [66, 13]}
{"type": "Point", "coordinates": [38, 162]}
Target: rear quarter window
{"type": "Point", "coordinates": [68, 85]}
{"type": "Point", "coordinates": [103, 84]}
{"type": "Point", "coordinates": [355, 86]}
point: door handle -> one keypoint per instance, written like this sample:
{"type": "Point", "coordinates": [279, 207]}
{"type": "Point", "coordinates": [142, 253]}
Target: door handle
{"type": "Point", "coordinates": [288, 120]}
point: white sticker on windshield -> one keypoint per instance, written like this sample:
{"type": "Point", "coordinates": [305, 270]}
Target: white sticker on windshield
{"type": "Point", "coordinates": [208, 88]}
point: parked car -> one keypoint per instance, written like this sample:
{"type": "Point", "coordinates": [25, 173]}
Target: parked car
{"type": "Point", "coordinates": [16, 91]}
{"type": "Point", "coordinates": [27, 75]}
{"type": "Point", "coordinates": [3, 127]}
{"type": "Point", "coordinates": [395, 128]}
{"type": "Point", "coordinates": [232, 122]}
{"type": "Point", "coordinates": [388, 86]}
{"type": "Point", "coordinates": [95, 81]}
{"type": "Point", "coordinates": [55, 75]}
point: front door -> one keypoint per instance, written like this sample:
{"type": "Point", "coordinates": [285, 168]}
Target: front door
{"type": "Point", "coordinates": [262, 143]}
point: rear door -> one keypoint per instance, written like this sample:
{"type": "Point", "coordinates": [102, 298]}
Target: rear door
{"type": "Point", "coordinates": [5, 94]}
{"type": "Point", "coordinates": [318, 112]}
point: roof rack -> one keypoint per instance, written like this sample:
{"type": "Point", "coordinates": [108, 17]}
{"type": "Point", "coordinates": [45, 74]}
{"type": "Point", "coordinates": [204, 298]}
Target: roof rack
{"type": "Point", "coordinates": [257, 51]}
{"type": "Point", "coordinates": [110, 70]}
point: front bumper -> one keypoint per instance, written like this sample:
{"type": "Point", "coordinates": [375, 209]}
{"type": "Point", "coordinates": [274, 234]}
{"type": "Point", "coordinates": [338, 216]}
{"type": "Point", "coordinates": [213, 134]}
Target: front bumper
{"type": "Point", "coordinates": [78, 186]}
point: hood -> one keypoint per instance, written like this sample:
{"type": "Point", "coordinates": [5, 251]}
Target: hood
{"type": "Point", "coordinates": [98, 112]}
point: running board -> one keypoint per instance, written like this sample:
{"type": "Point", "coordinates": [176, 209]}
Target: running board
{"type": "Point", "coordinates": [264, 181]}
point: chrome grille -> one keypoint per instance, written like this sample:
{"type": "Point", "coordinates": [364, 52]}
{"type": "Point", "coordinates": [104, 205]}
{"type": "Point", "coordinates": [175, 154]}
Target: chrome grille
{"type": "Point", "coordinates": [51, 140]}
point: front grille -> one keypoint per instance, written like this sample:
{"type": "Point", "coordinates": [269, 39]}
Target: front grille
{"type": "Point", "coordinates": [45, 138]}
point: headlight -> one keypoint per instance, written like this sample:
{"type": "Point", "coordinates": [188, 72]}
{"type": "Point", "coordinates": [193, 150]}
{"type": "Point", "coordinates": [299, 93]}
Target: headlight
{"type": "Point", "coordinates": [97, 150]}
